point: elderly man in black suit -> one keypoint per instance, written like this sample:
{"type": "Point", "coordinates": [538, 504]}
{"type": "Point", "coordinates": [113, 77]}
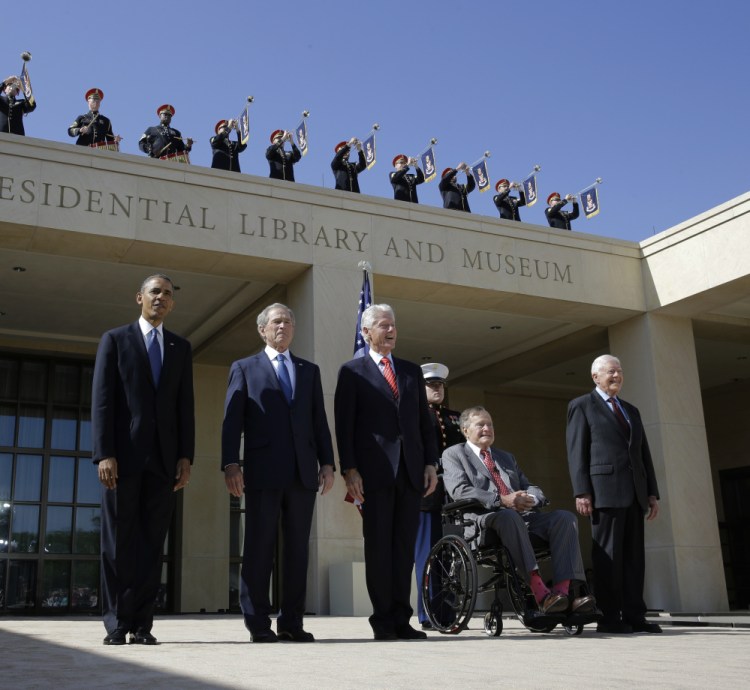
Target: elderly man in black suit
{"type": "Point", "coordinates": [614, 483]}
{"type": "Point", "coordinates": [275, 400]}
{"type": "Point", "coordinates": [388, 457]}
{"type": "Point", "coordinates": [511, 508]}
{"type": "Point", "coordinates": [143, 428]}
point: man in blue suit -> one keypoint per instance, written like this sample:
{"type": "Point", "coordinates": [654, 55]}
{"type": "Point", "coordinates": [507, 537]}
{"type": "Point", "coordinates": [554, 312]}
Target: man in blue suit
{"type": "Point", "coordinates": [143, 428]}
{"type": "Point", "coordinates": [388, 456]}
{"type": "Point", "coordinates": [276, 400]}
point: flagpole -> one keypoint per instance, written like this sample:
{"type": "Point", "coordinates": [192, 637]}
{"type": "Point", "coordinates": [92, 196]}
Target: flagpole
{"type": "Point", "coordinates": [598, 181]}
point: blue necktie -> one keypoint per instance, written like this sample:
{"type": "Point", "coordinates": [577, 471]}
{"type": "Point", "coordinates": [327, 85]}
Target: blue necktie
{"type": "Point", "coordinates": [284, 380]}
{"type": "Point", "coordinates": [154, 355]}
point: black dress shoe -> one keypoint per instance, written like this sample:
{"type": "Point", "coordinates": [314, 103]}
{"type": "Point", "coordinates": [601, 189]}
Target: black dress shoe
{"type": "Point", "coordinates": [117, 636]}
{"type": "Point", "coordinates": [427, 626]}
{"type": "Point", "coordinates": [263, 636]}
{"type": "Point", "coordinates": [142, 637]}
{"type": "Point", "coordinates": [614, 628]}
{"type": "Point", "coordinates": [406, 632]}
{"type": "Point", "coordinates": [385, 635]}
{"type": "Point", "coordinates": [645, 627]}
{"type": "Point", "coordinates": [296, 635]}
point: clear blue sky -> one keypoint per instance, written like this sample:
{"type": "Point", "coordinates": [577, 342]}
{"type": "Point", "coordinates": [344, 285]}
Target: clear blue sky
{"type": "Point", "coordinates": [650, 96]}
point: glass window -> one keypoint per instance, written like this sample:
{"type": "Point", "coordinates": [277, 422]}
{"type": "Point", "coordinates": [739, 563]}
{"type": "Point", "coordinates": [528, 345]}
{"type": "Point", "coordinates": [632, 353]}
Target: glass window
{"type": "Point", "coordinates": [33, 381]}
{"type": "Point", "coordinates": [65, 383]}
{"type": "Point", "coordinates": [87, 379]}
{"type": "Point", "coordinates": [85, 585]}
{"type": "Point", "coordinates": [59, 529]}
{"type": "Point", "coordinates": [24, 529]}
{"type": "Point", "coordinates": [88, 524]}
{"type": "Point", "coordinates": [7, 424]}
{"type": "Point", "coordinates": [8, 379]}
{"type": "Point", "coordinates": [61, 478]}
{"type": "Point", "coordinates": [31, 427]}
{"type": "Point", "coordinates": [21, 584]}
{"type": "Point", "coordinates": [4, 531]}
{"type": "Point", "coordinates": [84, 430]}
{"type": "Point", "coordinates": [6, 475]}
{"type": "Point", "coordinates": [28, 483]}
{"type": "Point", "coordinates": [89, 487]}
{"type": "Point", "coordinates": [55, 584]}
{"type": "Point", "coordinates": [64, 429]}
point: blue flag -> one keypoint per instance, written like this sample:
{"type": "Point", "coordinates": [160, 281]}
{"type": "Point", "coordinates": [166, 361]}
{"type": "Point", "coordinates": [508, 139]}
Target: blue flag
{"type": "Point", "coordinates": [301, 133]}
{"type": "Point", "coordinates": [428, 164]}
{"type": "Point", "coordinates": [368, 146]}
{"type": "Point", "coordinates": [530, 190]}
{"type": "Point", "coordinates": [590, 201]}
{"type": "Point", "coordinates": [481, 174]}
{"type": "Point", "coordinates": [365, 300]}
{"type": "Point", "coordinates": [243, 122]}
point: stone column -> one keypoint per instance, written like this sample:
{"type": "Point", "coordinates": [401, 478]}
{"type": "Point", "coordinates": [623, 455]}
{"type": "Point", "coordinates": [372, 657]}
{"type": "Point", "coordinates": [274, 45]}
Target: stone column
{"type": "Point", "coordinates": [684, 569]}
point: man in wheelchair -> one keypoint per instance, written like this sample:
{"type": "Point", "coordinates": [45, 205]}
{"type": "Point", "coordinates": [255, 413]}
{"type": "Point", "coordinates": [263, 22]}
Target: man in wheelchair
{"type": "Point", "coordinates": [511, 508]}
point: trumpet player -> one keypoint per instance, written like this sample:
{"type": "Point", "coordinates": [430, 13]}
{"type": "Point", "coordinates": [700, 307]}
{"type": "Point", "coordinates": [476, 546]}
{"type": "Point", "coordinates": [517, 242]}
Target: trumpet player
{"type": "Point", "coordinates": [556, 217]}
{"type": "Point", "coordinates": [280, 160]}
{"type": "Point", "coordinates": [455, 195]}
{"type": "Point", "coordinates": [403, 182]}
{"type": "Point", "coordinates": [506, 204]}
{"type": "Point", "coordinates": [226, 153]}
{"type": "Point", "coordinates": [93, 128]}
{"type": "Point", "coordinates": [345, 172]}
{"type": "Point", "coordinates": [13, 109]}
{"type": "Point", "coordinates": [163, 140]}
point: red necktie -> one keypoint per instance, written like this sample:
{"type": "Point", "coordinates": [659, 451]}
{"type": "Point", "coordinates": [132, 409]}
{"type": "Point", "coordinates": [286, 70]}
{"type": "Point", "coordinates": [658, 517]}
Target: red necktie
{"type": "Point", "coordinates": [390, 376]}
{"type": "Point", "coordinates": [620, 416]}
{"type": "Point", "coordinates": [502, 487]}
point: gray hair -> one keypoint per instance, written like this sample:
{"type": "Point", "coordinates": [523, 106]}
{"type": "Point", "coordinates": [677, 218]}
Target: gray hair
{"type": "Point", "coordinates": [264, 316]}
{"type": "Point", "coordinates": [468, 413]}
{"type": "Point", "coordinates": [601, 362]}
{"type": "Point", "coordinates": [371, 315]}
{"type": "Point", "coordinates": [151, 277]}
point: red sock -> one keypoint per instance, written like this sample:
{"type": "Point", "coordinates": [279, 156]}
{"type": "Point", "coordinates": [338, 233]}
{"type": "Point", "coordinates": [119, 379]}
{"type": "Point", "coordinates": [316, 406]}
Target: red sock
{"type": "Point", "coordinates": [562, 587]}
{"type": "Point", "coordinates": [537, 586]}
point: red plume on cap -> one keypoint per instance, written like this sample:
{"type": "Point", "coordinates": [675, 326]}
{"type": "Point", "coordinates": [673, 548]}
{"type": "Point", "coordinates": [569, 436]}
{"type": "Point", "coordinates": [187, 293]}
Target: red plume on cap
{"type": "Point", "coordinates": [445, 172]}
{"type": "Point", "coordinates": [400, 157]}
{"type": "Point", "coordinates": [341, 145]}
{"type": "Point", "coordinates": [165, 108]}
{"type": "Point", "coordinates": [96, 93]}
{"type": "Point", "coordinates": [552, 196]}
{"type": "Point", "coordinates": [219, 125]}
{"type": "Point", "coordinates": [276, 133]}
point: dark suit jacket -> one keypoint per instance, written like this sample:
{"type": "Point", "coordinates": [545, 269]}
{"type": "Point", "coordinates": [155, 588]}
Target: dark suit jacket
{"type": "Point", "coordinates": [12, 111]}
{"type": "Point", "coordinates": [129, 414]}
{"type": "Point", "coordinates": [405, 184]}
{"type": "Point", "coordinates": [557, 218]}
{"type": "Point", "coordinates": [275, 431]}
{"type": "Point", "coordinates": [604, 461]}
{"type": "Point", "coordinates": [282, 162]}
{"type": "Point", "coordinates": [372, 429]}
{"type": "Point", "coordinates": [509, 205]}
{"type": "Point", "coordinates": [456, 196]}
{"type": "Point", "coordinates": [226, 153]}
{"type": "Point", "coordinates": [346, 173]}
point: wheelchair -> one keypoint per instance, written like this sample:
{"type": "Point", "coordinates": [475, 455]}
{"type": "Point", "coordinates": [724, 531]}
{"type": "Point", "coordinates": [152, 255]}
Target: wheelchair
{"type": "Point", "coordinates": [450, 580]}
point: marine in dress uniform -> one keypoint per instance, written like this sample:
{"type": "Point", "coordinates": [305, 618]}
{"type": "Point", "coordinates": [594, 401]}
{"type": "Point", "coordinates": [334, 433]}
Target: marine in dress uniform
{"type": "Point", "coordinates": [226, 153]}
{"type": "Point", "coordinates": [455, 195]}
{"type": "Point", "coordinates": [279, 159]}
{"type": "Point", "coordinates": [506, 204]}
{"type": "Point", "coordinates": [92, 127]}
{"type": "Point", "coordinates": [403, 182]}
{"type": "Point", "coordinates": [12, 109]}
{"type": "Point", "coordinates": [347, 173]}
{"type": "Point", "coordinates": [447, 433]}
{"type": "Point", "coordinates": [556, 217]}
{"type": "Point", "coordinates": [163, 140]}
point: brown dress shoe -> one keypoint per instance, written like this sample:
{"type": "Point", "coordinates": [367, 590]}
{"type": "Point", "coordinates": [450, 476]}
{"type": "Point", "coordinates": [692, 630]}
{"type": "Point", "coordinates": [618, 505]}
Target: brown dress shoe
{"type": "Point", "coordinates": [585, 604]}
{"type": "Point", "coordinates": [554, 603]}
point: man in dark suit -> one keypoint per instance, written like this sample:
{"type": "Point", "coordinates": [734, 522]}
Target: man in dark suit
{"type": "Point", "coordinates": [455, 195]}
{"type": "Point", "coordinates": [506, 204]}
{"type": "Point", "coordinates": [614, 483]}
{"type": "Point", "coordinates": [346, 173]}
{"type": "Point", "coordinates": [388, 456]}
{"type": "Point", "coordinates": [556, 217]}
{"type": "Point", "coordinates": [164, 141]}
{"type": "Point", "coordinates": [12, 109]}
{"type": "Point", "coordinates": [225, 153]}
{"type": "Point", "coordinates": [511, 508]}
{"type": "Point", "coordinates": [403, 182]}
{"type": "Point", "coordinates": [143, 428]}
{"type": "Point", "coordinates": [280, 161]}
{"type": "Point", "coordinates": [93, 128]}
{"type": "Point", "coordinates": [276, 400]}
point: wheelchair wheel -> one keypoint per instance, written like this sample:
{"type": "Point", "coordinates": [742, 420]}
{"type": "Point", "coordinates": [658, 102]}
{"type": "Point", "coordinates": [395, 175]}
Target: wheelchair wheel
{"type": "Point", "coordinates": [493, 624]}
{"type": "Point", "coordinates": [449, 585]}
{"type": "Point", "coordinates": [573, 630]}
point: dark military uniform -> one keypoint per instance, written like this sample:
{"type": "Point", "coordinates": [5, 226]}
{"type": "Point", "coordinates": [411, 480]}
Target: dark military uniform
{"type": "Point", "coordinates": [405, 184]}
{"type": "Point", "coordinates": [12, 111]}
{"type": "Point", "coordinates": [508, 205]}
{"type": "Point", "coordinates": [557, 218]}
{"type": "Point", "coordinates": [345, 172]}
{"type": "Point", "coordinates": [282, 162]}
{"type": "Point", "coordinates": [161, 140]}
{"type": "Point", "coordinates": [455, 196]}
{"type": "Point", "coordinates": [100, 129]}
{"type": "Point", "coordinates": [226, 153]}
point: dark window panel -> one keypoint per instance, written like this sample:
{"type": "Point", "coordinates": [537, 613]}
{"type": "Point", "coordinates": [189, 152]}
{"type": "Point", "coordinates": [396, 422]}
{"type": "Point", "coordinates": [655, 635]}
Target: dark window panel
{"type": "Point", "coordinates": [24, 529]}
{"type": "Point", "coordinates": [66, 383]}
{"type": "Point", "coordinates": [64, 429]}
{"type": "Point", "coordinates": [7, 425]}
{"type": "Point", "coordinates": [8, 379]}
{"type": "Point", "coordinates": [56, 585]}
{"type": "Point", "coordinates": [21, 584]}
{"type": "Point", "coordinates": [59, 528]}
{"type": "Point", "coordinates": [28, 482]}
{"type": "Point", "coordinates": [88, 526]}
{"type": "Point", "coordinates": [4, 529]}
{"type": "Point", "coordinates": [87, 378]}
{"type": "Point", "coordinates": [85, 585]}
{"type": "Point", "coordinates": [33, 381]}
{"type": "Point", "coordinates": [84, 431]}
{"type": "Point", "coordinates": [6, 475]}
{"type": "Point", "coordinates": [31, 427]}
{"type": "Point", "coordinates": [61, 479]}
{"type": "Point", "coordinates": [89, 488]}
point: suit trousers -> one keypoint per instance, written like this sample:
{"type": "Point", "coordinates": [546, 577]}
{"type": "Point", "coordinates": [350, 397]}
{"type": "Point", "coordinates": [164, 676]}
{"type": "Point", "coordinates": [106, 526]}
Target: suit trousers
{"type": "Point", "coordinates": [390, 516]}
{"type": "Point", "coordinates": [619, 562]}
{"type": "Point", "coordinates": [264, 508]}
{"type": "Point", "coordinates": [135, 521]}
{"type": "Point", "coordinates": [429, 532]}
{"type": "Point", "coordinates": [558, 528]}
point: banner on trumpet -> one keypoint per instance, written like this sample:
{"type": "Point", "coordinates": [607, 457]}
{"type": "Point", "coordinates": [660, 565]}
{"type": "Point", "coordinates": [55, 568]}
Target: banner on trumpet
{"type": "Point", "coordinates": [481, 174]}
{"type": "Point", "coordinates": [26, 82]}
{"type": "Point", "coordinates": [368, 147]}
{"type": "Point", "coordinates": [428, 163]}
{"type": "Point", "coordinates": [301, 133]}
{"type": "Point", "coordinates": [243, 125]}
{"type": "Point", "coordinates": [590, 201]}
{"type": "Point", "coordinates": [530, 189]}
